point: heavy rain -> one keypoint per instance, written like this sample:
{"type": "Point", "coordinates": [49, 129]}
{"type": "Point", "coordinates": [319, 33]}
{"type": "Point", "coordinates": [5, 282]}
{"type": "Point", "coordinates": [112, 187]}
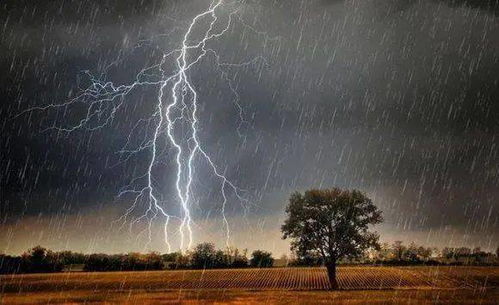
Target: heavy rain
{"type": "Point", "coordinates": [154, 126]}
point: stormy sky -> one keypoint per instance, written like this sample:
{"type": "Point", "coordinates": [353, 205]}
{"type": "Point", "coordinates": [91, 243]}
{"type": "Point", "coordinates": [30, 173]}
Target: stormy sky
{"type": "Point", "coordinates": [397, 98]}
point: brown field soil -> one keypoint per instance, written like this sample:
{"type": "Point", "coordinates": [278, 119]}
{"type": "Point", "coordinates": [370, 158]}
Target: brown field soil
{"type": "Point", "coordinates": [360, 285]}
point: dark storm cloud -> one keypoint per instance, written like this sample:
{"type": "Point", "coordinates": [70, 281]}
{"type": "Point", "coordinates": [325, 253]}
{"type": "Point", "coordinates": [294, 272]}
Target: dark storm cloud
{"type": "Point", "coordinates": [397, 98]}
{"type": "Point", "coordinates": [399, 5]}
{"type": "Point", "coordinates": [404, 101]}
{"type": "Point", "coordinates": [44, 46]}
{"type": "Point", "coordinates": [487, 5]}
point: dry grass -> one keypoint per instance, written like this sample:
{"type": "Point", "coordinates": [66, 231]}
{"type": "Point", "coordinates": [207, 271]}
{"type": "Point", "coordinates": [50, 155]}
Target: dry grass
{"type": "Point", "coordinates": [362, 285]}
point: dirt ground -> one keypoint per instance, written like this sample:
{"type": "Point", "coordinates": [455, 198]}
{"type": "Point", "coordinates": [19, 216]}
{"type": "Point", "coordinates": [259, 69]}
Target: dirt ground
{"type": "Point", "coordinates": [254, 297]}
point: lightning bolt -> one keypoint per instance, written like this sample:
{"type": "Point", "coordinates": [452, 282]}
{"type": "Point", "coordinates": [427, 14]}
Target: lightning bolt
{"type": "Point", "coordinates": [176, 106]}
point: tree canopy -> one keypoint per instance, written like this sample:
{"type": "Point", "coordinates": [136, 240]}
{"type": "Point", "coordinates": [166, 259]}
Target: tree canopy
{"type": "Point", "coordinates": [261, 259]}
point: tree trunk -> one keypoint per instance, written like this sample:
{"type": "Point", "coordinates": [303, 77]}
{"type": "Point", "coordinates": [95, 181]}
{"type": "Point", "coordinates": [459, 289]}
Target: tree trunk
{"type": "Point", "coordinates": [331, 274]}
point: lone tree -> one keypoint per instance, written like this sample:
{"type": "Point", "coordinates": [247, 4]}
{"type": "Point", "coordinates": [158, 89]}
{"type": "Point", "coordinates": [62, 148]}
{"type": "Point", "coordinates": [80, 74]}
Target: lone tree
{"type": "Point", "coordinates": [331, 223]}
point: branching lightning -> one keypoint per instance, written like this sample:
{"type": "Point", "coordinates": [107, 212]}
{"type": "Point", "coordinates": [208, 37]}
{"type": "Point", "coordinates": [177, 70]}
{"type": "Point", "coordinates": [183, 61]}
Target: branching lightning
{"type": "Point", "coordinates": [176, 106]}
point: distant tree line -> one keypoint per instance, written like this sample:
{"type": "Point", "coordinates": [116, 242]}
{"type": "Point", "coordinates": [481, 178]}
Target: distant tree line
{"type": "Point", "coordinates": [203, 256]}
{"type": "Point", "coordinates": [206, 256]}
{"type": "Point", "coordinates": [398, 253]}
{"type": "Point", "coordinates": [35, 260]}
{"type": "Point", "coordinates": [123, 262]}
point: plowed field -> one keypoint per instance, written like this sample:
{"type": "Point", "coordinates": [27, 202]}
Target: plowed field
{"type": "Point", "coordinates": [349, 278]}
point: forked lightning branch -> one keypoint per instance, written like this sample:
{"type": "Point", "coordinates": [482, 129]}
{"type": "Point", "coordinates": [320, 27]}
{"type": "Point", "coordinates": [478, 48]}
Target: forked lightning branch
{"type": "Point", "coordinates": [176, 106]}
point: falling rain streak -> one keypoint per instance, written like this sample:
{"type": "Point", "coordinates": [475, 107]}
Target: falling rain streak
{"type": "Point", "coordinates": [153, 125]}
